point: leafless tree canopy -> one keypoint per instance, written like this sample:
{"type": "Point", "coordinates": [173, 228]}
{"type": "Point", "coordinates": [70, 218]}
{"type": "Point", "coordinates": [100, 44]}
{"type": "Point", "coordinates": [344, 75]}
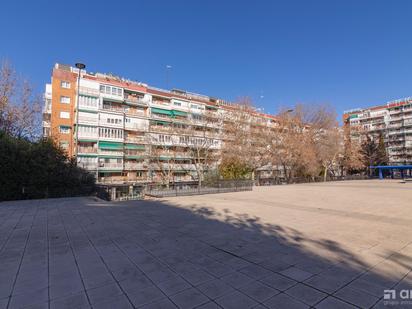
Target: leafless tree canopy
{"type": "Point", "coordinates": [303, 141]}
{"type": "Point", "coordinates": [19, 107]}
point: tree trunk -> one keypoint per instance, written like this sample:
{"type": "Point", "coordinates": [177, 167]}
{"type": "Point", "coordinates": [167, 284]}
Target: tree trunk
{"type": "Point", "coordinates": [325, 173]}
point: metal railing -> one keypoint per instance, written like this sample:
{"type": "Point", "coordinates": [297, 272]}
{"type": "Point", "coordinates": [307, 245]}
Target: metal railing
{"type": "Point", "coordinates": [194, 189]}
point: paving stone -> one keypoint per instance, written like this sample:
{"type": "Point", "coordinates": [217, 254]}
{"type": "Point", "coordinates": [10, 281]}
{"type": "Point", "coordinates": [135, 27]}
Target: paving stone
{"type": "Point", "coordinates": [67, 287]}
{"type": "Point", "coordinates": [78, 301]}
{"type": "Point", "coordinates": [188, 235]}
{"type": "Point", "coordinates": [38, 298]}
{"type": "Point", "coordinates": [118, 302]}
{"type": "Point", "coordinates": [282, 301]}
{"type": "Point", "coordinates": [160, 304]}
{"type": "Point", "coordinates": [367, 287]}
{"type": "Point", "coordinates": [173, 286]}
{"type": "Point", "coordinates": [332, 302]}
{"type": "Point", "coordinates": [235, 300]}
{"type": "Point", "coordinates": [279, 282]}
{"type": "Point", "coordinates": [128, 272]}
{"type": "Point", "coordinates": [215, 288]}
{"type": "Point", "coordinates": [325, 283]}
{"type": "Point", "coordinates": [258, 291]}
{"type": "Point", "coordinates": [104, 293]}
{"type": "Point", "coordinates": [209, 305]}
{"type": "Point", "coordinates": [145, 296]}
{"type": "Point", "coordinates": [135, 284]}
{"type": "Point", "coordinates": [296, 273]}
{"type": "Point", "coordinates": [306, 294]}
{"type": "Point", "coordinates": [190, 298]}
{"type": "Point", "coordinates": [4, 302]}
{"type": "Point", "coordinates": [237, 279]}
{"type": "Point", "coordinates": [356, 297]}
{"type": "Point", "coordinates": [255, 272]}
{"type": "Point", "coordinates": [197, 277]}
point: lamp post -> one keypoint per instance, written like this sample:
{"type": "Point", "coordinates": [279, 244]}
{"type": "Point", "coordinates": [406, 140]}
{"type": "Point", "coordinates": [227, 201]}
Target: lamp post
{"type": "Point", "coordinates": [80, 66]}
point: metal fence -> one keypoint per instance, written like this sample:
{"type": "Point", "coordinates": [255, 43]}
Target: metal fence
{"type": "Point", "coordinates": [295, 180]}
{"type": "Point", "coordinates": [185, 190]}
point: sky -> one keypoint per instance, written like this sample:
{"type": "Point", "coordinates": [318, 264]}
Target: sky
{"type": "Point", "coordinates": [348, 54]}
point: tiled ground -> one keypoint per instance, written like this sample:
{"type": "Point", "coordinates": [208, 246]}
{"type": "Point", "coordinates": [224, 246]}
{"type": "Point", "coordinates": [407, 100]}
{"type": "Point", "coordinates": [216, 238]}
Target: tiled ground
{"type": "Point", "coordinates": [335, 245]}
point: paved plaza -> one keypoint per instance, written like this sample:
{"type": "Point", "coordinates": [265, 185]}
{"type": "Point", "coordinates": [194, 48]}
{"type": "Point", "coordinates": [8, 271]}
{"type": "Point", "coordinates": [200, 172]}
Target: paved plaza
{"type": "Point", "coordinates": [322, 245]}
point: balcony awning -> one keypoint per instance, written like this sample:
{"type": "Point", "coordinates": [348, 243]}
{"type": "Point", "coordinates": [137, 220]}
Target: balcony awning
{"type": "Point", "coordinates": [110, 145]}
{"type": "Point", "coordinates": [87, 140]}
{"type": "Point", "coordinates": [162, 111]}
{"type": "Point", "coordinates": [179, 113]}
{"type": "Point", "coordinates": [134, 146]}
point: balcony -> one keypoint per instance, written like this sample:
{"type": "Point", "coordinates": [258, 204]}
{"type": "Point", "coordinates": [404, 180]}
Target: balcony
{"type": "Point", "coordinates": [175, 166]}
{"type": "Point", "coordinates": [103, 122]}
{"type": "Point", "coordinates": [89, 91]}
{"type": "Point", "coordinates": [88, 165]}
{"type": "Point", "coordinates": [103, 152]}
{"type": "Point", "coordinates": [87, 150]}
{"type": "Point", "coordinates": [161, 117]}
{"type": "Point", "coordinates": [110, 166]}
{"type": "Point", "coordinates": [120, 179]}
{"type": "Point", "coordinates": [135, 139]}
{"type": "Point", "coordinates": [155, 128]}
{"type": "Point", "coordinates": [111, 139]}
{"type": "Point", "coordinates": [88, 120]}
{"type": "Point", "coordinates": [84, 106]}
{"type": "Point", "coordinates": [111, 108]}
{"type": "Point", "coordinates": [134, 166]}
{"type": "Point", "coordinates": [160, 103]}
{"type": "Point", "coordinates": [111, 96]}
{"type": "Point", "coordinates": [135, 112]}
{"type": "Point", "coordinates": [88, 135]}
{"type": "Point", "coordinates": [135, 100]}
{"type": "Point", "coordinates": [134, 126]}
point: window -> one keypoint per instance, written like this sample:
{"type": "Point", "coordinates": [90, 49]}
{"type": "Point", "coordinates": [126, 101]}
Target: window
{"type": "Point", "coordinates": [86, 101]}
{"type": "Point", "coordinates": [65, 84]}
{"type": "Point", "coordinates": [111, 90]}
{"type": "Point", "coordinates": [65, 115]}
{"type": "Point", "coordinates": [64, 129]}
{"type": "Point", "coordinates": [64, 100]}
{"type": "Point", "coordinates": [177, 103]}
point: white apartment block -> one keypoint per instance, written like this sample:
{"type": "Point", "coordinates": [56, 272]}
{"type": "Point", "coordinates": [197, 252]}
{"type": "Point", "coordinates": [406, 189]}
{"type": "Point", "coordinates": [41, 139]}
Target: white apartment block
{"type": "Point", "coordinates": [393, 121]}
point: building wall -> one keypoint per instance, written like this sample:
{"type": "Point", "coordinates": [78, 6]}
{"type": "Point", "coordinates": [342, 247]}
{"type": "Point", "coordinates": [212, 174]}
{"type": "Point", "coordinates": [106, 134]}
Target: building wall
{"type": "Point", "coordinates": [57, 107]}
{"type": "Point", "coordinates": [122, 136]}
{"type": "Point", "coordinates": [393, 121]}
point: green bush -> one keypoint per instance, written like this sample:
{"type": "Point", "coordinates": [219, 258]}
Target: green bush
{"type": "Point", "coordinates": [39, 169]}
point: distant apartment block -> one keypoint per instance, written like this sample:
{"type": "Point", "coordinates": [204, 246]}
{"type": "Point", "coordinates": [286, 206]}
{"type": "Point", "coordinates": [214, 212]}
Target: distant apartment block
{"type": "Point", "coordinates": [392, 120]}
{"type": "Point", "coordinates": [119, 129]}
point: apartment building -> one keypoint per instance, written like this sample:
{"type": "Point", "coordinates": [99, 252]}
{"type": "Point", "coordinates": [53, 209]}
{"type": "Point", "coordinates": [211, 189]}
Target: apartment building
{"type": "Point", "coordinates": [129, 132]}
{"type": "Point", "coordinates": [392, 120]}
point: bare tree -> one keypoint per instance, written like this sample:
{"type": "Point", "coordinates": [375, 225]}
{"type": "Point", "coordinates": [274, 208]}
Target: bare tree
{"type": "Point", "coordinates": [19, 107]}
{"type": "Point", "coordinates": [352, 159]}
{"type": "Point", "coordinates": [304, 140]}
{"type": "Point", "coordinates": [330, 150]}
{"type": "Point", "coordinates": [200, 136]}
{"type": "Point", "coordinates": [247, 136]}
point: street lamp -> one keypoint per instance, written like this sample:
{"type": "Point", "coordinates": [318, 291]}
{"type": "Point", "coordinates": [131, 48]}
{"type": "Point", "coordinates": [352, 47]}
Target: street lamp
{"type": "Point", "coordinates": [80, 66]}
